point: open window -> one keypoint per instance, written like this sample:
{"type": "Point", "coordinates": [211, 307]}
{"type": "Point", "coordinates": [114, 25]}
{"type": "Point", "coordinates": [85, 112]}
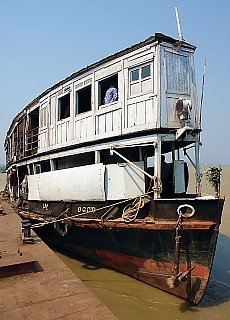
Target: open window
{"type": "Point", "coordinates": [83, 100]}
{"type": "Point", "coordinates": [32, 132]}
{"type": "Point", "coordinates": [73, 161]}
{"type": "Point", "coordinates": [45, 166]}
{"type": "Point", "coordinates": [108, 90]}
{"type": "Point", "coordinates": [140, 79]}
{"type": "Point", "coordinates": [19, 142]}
{"type": "Point", "coordinates": [37, 168]}
{"type": "Point", "coordinates": [64, 107]}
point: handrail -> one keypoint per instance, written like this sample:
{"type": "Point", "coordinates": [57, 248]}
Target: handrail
{"type": "Point", "coordinates": [24, 145]}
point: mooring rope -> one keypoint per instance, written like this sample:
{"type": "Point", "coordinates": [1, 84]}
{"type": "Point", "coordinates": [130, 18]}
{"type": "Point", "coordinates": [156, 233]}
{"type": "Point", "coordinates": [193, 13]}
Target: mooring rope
{"type": "Point", "coordinates": [131, 211]}
{"type": "Point", "coordinates": [135, 205]}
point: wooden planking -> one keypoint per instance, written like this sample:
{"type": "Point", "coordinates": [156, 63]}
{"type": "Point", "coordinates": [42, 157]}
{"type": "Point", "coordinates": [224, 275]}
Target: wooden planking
{"type": "Point", "coordinates": [109, 122]}
{"type": "Point", "coordinates": [63, 132]}
{"type": "Point", "coordinates": [140, 113]}
{"type": "Point", "coordinates": [151, 112]}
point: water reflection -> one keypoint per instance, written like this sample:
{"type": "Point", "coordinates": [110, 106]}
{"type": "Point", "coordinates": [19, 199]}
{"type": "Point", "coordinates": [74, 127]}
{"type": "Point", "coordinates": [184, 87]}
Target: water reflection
{"type": "Point", "coordinates": [218, 290]}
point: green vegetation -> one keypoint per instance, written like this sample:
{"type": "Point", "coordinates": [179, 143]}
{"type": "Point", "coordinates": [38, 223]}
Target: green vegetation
{"type": "Point", "coordinates": [213, 175]}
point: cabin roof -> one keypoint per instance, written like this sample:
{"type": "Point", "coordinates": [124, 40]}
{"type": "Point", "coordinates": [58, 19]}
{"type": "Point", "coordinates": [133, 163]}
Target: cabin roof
{"type": "Point", "coordinates": [157, 38]}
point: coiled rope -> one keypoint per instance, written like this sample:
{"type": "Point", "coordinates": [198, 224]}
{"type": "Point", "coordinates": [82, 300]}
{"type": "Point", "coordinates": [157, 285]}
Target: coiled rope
{"type": "Point", "coordinates": [131, 211]}
{"type": "Point", "coordinates": [129, 214]}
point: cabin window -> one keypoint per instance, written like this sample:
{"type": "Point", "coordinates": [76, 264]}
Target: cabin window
{"type": "Point", "coordinates": [140, 80]}
{"type": "Point", "coordinates": [31, 169]}
{"type": "Point", "coordinates": [32, 133]}
{"type": "Point", "coordinates": [45, 166]}
{"type": "Point", "coordinates": [64, 107]}
{"type": "Point", "coordinates": [108, 90]}
{"type": "Point", "coordinates": [130, 153]}
{"type": "Point", "coordinates": [74, 161]}
{"type": "Point", "coordinates": [177, 73]}
{"type": "Point", "coordinates": [37, 168]}
{"type": "Point", "coordinates": [19, 142]}
{"type": "Point", "coordinates": [83, 100]}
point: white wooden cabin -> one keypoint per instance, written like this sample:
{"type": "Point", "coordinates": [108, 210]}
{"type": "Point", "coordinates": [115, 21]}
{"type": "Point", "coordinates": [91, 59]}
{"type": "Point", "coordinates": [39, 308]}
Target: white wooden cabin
{"type": "Point", "coordinates": [70, 118]}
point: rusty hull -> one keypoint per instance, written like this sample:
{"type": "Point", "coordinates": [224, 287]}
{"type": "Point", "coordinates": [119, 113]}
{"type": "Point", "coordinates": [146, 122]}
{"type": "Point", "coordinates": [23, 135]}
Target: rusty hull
{"type": "Point", "coordinates": [145, 248]}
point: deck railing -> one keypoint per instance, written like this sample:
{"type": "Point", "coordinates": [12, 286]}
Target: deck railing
{"type": "Point", "coordinates": [24, 146]}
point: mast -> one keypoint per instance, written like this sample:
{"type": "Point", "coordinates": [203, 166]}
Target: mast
{"type": "Point", "coordinates": [178, 25]}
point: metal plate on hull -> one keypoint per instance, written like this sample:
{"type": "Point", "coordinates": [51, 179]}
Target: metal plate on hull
{"type": "Point", "coordinates": [79, 183]}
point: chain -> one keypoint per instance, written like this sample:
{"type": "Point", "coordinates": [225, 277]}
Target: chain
{"type": "Point", "coordinates": [177, 244]}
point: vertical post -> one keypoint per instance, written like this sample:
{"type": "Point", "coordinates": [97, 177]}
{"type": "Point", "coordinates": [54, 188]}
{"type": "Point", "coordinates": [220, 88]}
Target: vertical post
{"type": "Point", "coordinates": [52, 167]}
{"type": "Point", "coordinates": [173, 164]}
{"type": "Point", "coordinates": [178, 154]}
{"type": "Point", "coordinates": [140, 154]}
{"type": "Point", "coordinates": [197, 163]}
{"type": "Point", "coordinates": [97, 156]}
{"type": "Point", "coordinates": [157, 164]}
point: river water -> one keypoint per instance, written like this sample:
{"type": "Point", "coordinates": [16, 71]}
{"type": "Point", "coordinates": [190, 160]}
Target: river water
{"type": "Point", "coordinates": [128, 298]}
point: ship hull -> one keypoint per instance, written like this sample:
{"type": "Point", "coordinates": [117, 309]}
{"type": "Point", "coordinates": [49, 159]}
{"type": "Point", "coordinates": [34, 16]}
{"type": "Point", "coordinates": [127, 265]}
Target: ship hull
{"type": "Point", "coordinates": [147, 248]}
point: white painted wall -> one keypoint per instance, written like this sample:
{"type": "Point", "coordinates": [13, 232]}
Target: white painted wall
{"type": "Point", "coordinates": [95, 182]}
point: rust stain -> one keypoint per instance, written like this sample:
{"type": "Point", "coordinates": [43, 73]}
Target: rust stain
{"type": "Point", "coordinates": [195, 225]}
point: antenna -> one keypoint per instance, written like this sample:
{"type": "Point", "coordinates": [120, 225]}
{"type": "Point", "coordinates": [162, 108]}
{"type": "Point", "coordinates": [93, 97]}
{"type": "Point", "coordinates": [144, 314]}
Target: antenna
{"type": "Point", "coordinates": [178, 25]}
{"type": "Point", "coordinates": [202, 90]}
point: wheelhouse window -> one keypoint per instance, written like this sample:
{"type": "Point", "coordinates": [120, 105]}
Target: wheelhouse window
{"type": "Point", "coordinates": [64, 107]}
{"type": "Point", "coordinates": [108, 90]}
{"type": "Point", "coordinates": [83, 100]}
{"type": "Point", "coordinates": [141, 80]}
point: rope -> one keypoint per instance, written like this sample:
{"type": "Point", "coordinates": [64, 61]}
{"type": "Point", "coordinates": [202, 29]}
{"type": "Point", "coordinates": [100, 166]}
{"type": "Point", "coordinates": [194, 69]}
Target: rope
{"type": "Point", "coordinates": [41, 224]}
{"type": "Point", "coordinates": [131, 211]}
{"type": "Point", "coordinates": [157, 187]}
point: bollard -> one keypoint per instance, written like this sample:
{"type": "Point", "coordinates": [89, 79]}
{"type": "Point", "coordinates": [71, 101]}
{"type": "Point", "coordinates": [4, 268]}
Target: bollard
{"type": "Point", "coordinates": [24, 225]}
{"type": "Point", "coordinates": [26, 231]}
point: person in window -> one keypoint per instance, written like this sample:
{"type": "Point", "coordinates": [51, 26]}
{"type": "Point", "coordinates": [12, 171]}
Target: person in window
{"type": "Point", "coordinates": [67, 113]}
{"type": "Point", "coordinates": [111, 94]}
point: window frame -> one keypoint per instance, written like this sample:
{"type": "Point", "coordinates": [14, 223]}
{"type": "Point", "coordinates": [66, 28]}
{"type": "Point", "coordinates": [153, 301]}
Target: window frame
{"type": "Point", "coordinates": [103, 85]}
{"type": "Point", "coordinates": [60, 112]}
{"type": "Point", "coordinates": [140, 80]}
{"type": "Point", "coordinates": [89, 86]}
{"type": "Point", "coordinates": [43, 113]}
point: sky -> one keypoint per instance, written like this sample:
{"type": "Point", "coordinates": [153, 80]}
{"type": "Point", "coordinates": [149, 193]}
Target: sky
{"type": "Point", "coordinates": [45, 41]}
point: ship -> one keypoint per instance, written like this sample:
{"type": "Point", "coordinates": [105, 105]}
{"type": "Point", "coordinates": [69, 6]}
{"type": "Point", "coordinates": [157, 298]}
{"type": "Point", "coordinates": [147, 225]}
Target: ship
{"type": "Point", "coordinates": [102, 164]}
